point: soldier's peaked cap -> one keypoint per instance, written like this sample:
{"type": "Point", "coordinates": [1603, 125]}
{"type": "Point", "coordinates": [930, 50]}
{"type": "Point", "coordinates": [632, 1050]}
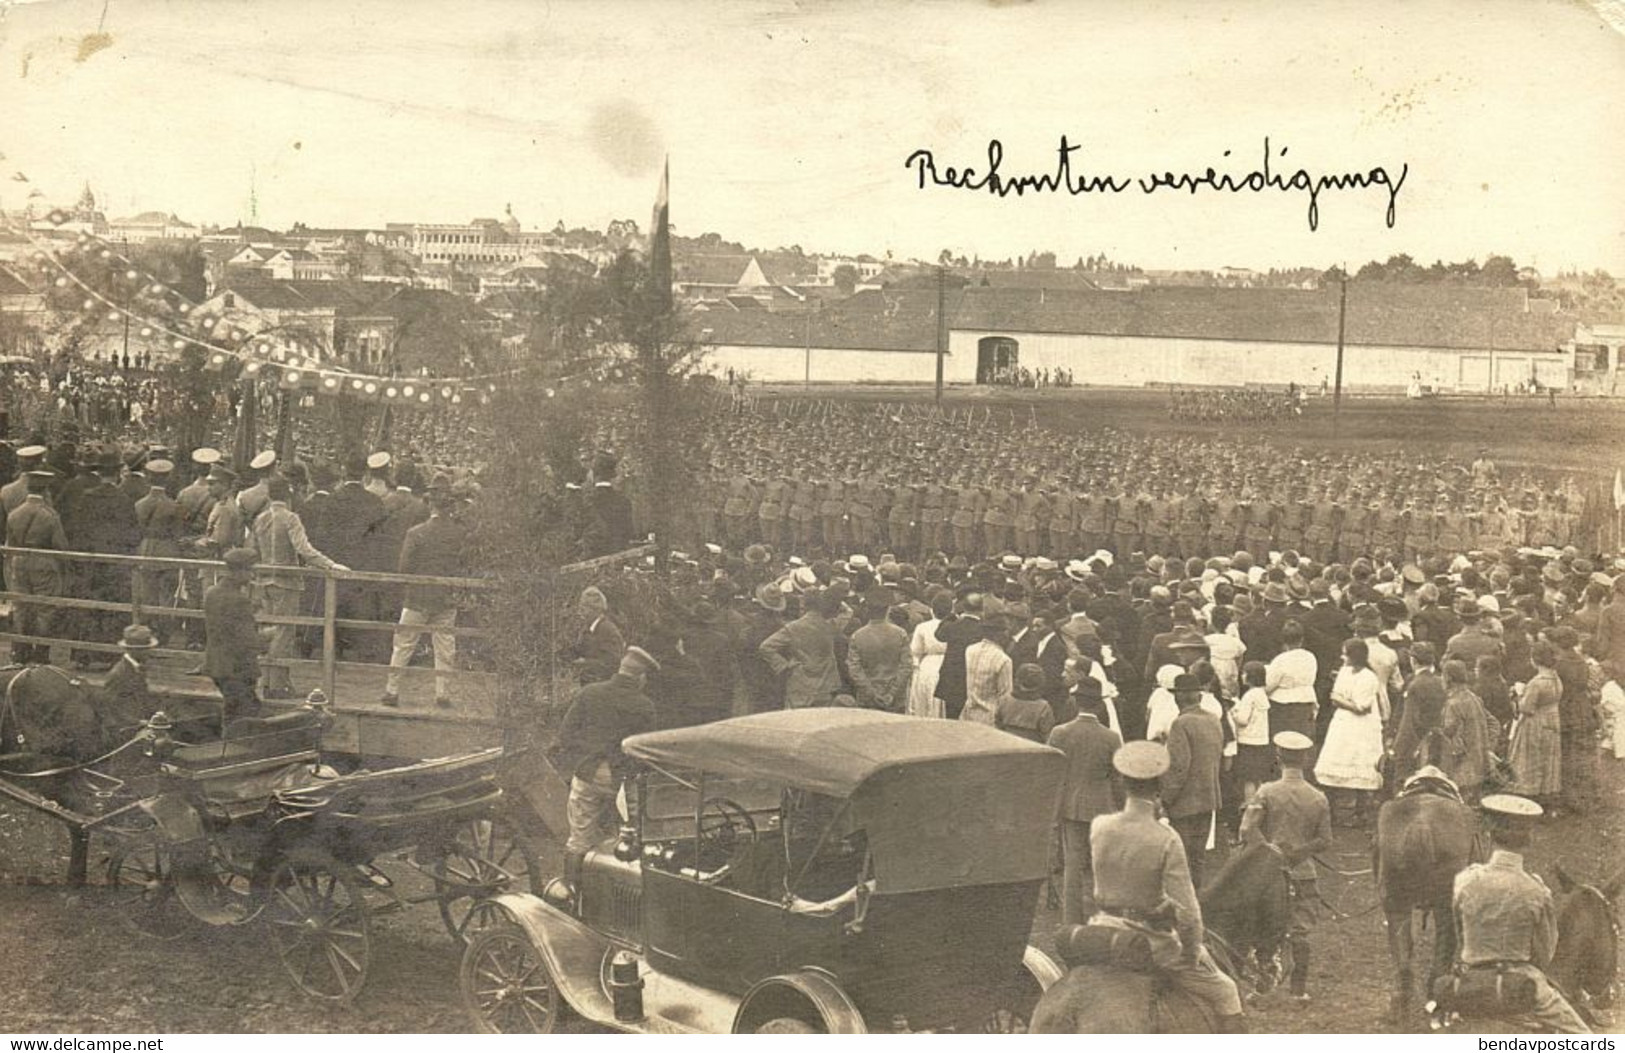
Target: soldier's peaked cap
{"type": "Point", "coordinates": [1293, 740]}
{"type": "Point", "coordinates": [263, 460]}
{"type": "Point", "coordinates": [1511, 806]}
{"type": "Point", "coordinates": [1141, 760]}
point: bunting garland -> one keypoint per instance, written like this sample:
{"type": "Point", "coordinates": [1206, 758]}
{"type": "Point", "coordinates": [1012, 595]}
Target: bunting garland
{"type": "Point", "coordinates": [158, 311]}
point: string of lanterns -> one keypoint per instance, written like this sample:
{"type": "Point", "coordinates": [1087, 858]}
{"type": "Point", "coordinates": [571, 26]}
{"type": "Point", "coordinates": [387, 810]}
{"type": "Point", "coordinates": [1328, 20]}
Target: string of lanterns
{"type": "Point", "coordinates": [265, 353]}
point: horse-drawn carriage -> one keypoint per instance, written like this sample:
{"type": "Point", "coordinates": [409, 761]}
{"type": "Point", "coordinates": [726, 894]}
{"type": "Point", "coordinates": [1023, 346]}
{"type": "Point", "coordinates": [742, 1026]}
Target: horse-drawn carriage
{"type": "Point", "coordinates": [251, 826]}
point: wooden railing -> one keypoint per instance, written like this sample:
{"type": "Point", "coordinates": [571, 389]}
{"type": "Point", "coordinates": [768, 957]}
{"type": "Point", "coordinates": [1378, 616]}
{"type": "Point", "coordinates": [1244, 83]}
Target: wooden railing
{"type": "Point", "coordinates": [75, 564]}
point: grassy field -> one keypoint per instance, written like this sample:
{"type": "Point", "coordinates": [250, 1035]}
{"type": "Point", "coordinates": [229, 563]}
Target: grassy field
{"type": "Point", "coordinates": [1577, 435]}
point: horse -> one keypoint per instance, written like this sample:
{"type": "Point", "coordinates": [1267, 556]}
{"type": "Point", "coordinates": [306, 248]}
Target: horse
{"type": "Point", "coordinates": [50, 726]}
{"type": "Point", "coordinates": [1245, 910]}
{"type": "Point", "coordinates": [1425, 837]}
{"type": "Point", "coordinates": [49, 717]}
{"type": "Point", "coordinates": [1586, 961]}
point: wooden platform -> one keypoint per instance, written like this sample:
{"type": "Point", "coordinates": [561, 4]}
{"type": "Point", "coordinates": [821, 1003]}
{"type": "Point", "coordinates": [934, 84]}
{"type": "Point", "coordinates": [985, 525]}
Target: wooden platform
{"type": "Point", "coordinates": [361, 724]}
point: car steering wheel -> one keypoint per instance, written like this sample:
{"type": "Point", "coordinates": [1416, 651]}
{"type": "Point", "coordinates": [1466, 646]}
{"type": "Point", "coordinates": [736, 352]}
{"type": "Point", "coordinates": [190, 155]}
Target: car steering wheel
{"type": "Point", "coordinates": [725, 826]}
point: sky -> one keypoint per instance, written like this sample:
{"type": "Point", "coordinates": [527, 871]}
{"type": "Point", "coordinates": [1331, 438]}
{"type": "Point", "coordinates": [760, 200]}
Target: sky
{"type": "Point", "coordinates": [789, 123]}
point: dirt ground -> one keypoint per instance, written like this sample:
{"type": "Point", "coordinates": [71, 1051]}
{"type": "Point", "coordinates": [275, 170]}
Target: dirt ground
{"type": "Point", "coordinates": [1578, 434]}
{"type": "Point", "coordinates": [68, 963]}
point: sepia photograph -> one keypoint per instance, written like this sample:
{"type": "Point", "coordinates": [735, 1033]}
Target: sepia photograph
{"type": "Point", "coordinates": [811, 517]}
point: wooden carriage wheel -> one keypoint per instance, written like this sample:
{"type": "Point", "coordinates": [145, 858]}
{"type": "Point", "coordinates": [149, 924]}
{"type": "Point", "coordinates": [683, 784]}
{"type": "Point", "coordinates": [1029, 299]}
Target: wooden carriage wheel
{"type": "Point", "coordinates": [483, 858]}
{"type": "Point", "coordinates": [142, 881]}
{"type": "Point", "coordinates": [321, 928]}
{"type": "Point", "coordinates": [507, 988]}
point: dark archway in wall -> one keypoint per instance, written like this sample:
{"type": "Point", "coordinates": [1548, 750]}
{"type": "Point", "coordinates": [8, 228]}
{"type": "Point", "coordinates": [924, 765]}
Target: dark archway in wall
{"type": "Point", "coordinates": [996, 358]}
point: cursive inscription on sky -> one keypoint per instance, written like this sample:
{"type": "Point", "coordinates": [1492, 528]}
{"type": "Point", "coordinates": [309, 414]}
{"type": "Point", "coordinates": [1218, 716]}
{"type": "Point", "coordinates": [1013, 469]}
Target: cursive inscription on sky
{"type": "Point", "coordinates": [1279, 177]}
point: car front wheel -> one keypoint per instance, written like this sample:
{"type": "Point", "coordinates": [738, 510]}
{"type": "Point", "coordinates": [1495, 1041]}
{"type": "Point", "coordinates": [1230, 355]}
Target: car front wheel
{"type": "Point", "coordinates": [788, 1025]}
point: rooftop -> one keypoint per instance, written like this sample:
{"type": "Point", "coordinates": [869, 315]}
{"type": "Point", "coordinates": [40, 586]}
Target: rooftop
{"type": "Point", "coordinates": [1382, 315]}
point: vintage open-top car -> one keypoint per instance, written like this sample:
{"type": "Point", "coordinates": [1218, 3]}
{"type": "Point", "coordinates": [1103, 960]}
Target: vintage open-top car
{"type": "Point", "coordinates": [823, 870]}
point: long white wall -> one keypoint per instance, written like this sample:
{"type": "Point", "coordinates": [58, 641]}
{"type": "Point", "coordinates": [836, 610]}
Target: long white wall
{"type": "Point", "coordinates": [789, 365]}
{"type": "Point", "coordinates": [1136, 361]}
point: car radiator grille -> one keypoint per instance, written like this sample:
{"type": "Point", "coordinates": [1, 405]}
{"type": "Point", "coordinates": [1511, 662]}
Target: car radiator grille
{"type": "Point", "coordinates": [625, 910]}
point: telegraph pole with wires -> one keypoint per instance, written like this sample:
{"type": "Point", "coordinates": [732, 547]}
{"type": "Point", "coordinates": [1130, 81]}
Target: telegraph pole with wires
{"type": "Point", "coordinates": [942, 326]}
{"type": "Point", "coordinates": [1342, 318]}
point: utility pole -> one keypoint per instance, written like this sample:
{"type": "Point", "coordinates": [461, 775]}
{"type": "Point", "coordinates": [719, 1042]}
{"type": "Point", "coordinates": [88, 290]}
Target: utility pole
{"type": "Point", "coordinates": [942, 326]}
{"type": "Point", "coordinates": [125, 361]}
{"type": "Point", "coordinates": [806, 374]}
{"type": "Point", "coordinates": [1342, 318]}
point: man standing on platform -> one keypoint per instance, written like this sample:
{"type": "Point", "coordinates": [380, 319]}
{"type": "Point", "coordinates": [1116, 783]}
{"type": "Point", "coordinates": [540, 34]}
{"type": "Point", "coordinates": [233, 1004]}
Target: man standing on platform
{"type": "Point", "coordinates": [232, 645]}
{"type": "Point", "coordinates": [353, 523]}
{"type": "Point", "coordinates": [34, 524]}
{"type": "Point", "coordinates": [159, 518]}
{"type": "Point", "coordinates": [434, 548]}
{"type": "Point", "coordinates": [101, 519]}
{"type": "Point", "coordinates": [280, 541]}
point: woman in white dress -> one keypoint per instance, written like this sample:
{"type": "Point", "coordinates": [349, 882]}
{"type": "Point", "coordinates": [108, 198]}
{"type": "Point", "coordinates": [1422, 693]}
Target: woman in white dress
{"type": "Point", "coordinates": [1350, 757]}
{"type": "Point", "coordinates": [927, 653]}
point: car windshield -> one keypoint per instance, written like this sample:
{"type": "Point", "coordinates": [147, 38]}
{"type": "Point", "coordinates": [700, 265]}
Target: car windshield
{"type": "Point", "coordinates": [752, 836]}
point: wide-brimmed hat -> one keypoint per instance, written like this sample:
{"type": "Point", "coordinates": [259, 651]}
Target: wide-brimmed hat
{"type": "Point", "coordinates": [138, 638]}
{"type": "Point", "coordinates": [771, 597]}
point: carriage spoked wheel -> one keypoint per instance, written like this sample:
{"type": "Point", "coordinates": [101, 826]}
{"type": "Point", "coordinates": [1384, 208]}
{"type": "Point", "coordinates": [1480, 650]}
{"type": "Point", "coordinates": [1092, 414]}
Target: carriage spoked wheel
{"type": "Point", "coordinates": [482, 858]}
{"type": "Point", "coordinates": [507, 988]}
{"type": "Point", "coordinates": [141, 878]}
{"type": "Point", "coordinates": [320, 927]}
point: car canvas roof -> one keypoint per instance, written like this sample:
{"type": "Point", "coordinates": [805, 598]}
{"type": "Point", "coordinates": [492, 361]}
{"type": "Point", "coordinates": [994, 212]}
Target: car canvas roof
{"type": "Point", "coordinates": [824, 750]}
{"type": "Point", "coordinates": [945, 803]}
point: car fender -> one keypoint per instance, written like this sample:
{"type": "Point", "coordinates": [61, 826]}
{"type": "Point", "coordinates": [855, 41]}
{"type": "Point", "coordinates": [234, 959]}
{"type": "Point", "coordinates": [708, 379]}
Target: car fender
{"type": "Point", "coordinates": [573, 952]}
{"type": "Point", "coordinates": [790, 994]}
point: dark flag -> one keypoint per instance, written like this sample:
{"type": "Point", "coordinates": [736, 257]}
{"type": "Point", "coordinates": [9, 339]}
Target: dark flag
{"type": "Point", "coordinates": [246, 443]}
{"type": "Point", "coordinates": [660, 246]}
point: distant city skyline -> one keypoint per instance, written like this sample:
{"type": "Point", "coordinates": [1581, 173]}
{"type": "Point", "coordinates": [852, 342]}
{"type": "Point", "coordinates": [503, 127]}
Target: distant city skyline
{"type": "Point", "coordinates": [789, 126]}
